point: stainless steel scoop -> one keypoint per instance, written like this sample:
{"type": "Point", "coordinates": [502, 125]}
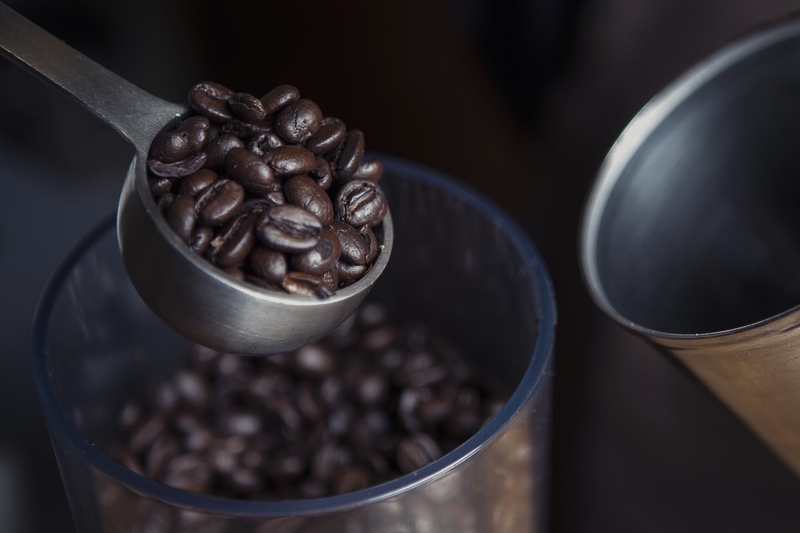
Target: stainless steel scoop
{"type": "Point", "coordinates": [193, 297]}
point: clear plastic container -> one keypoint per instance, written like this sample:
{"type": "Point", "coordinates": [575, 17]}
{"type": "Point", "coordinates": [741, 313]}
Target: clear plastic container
{"type": "Point", "coordinates": [460, 266]}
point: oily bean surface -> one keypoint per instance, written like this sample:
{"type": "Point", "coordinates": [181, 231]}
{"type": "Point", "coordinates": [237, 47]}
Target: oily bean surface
{"type": "Point", "coordinates": [304, 192]}
{"type": "Point", "coordinates": [332, 417]}
{"type": "Point", "coordinates": [239, 157]}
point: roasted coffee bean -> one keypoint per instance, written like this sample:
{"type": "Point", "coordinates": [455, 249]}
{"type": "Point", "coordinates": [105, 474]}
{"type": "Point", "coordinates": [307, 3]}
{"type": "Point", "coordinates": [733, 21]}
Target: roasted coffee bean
{"type": "Point", "coordinates": [298, 121]}
{"type": "Point", "coordinates": [198, 130]}
{"type": "Point", "coordinates": [359, 202]}
{"type": "Point", "coordinates": [282, 152]}
{"type": "Point", "coordinates": [304, 192]}
{"type": "Point", "coordinates": [304, 284]}
{"type": "Point", "coordinates": [321, 258]}
{"type": "Point", "coordinates": [234, 241]}
{"type": "Point", "coordinates": [184, 167]}
{"type": "Point", "coordinates": [159, 186]}
{"type": "Point", "coordinates": [331, 133]}
{"type": "Point", "coordinates": [315, 421]}
{"type": "Point", "coordinates": [192, 389]}
{"type": "Point", "coordinates": [261, 143]}
{"type": "Point", "coordinates": [244, 129]}
{"type": "Point", "coordinates": [288, 228]}
{"type": "Point", "coordinates": [248, 107]}
{"type": "Point", "coordinates": [348, 274]}
{"type": "Point", "coordinates": [188, 472]}
{"type": "Point", "coordinates": [351, 156]}
{"type": "Point", "coordinates": [417, 451]}
{"type": "Point", "coordinates": [250, 171]}
{"type": "Point", "coordinates": [219, 202]}
{"type": "Point", "coordinates": [352, 479]}
{"type": "Point", "coordinates": [323, 174]}
{"type": "Point", "coordinates": [171, 146]}
{"type": "Point", "coordinates": [279, 97]}
{"type": "Point", "coordinates": [355, 247]}
{"type": "Point", "coordinates": [267, 264]}
{"type": "Point", "coordinates": [236, 273]}
{"type": "Point", "coordinates": [181, 217]}
{"type": "Point", "coordinates": [313, 361]}
{"type": "Point", "coordinates": [164, 202]}
{"type": "Point", "coordinates": [368, 170]}
{"type": "Point", "coordinates": [211, 100]}
{"type": "Point", "coordinates": [290, 159]}
{"type": "Point", "coordinates": [218, 149]}
{"type": "Point", "coordinates": [194, 184]}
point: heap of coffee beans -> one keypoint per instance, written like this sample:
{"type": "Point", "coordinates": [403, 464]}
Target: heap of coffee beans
{"type": "Point", "coordinates": [269, 190]}
{"type": "Point", "coordinates": [370, 402]}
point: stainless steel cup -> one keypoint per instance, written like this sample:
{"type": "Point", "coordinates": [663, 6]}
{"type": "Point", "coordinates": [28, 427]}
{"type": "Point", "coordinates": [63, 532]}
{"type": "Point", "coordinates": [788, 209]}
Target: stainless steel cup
{"type": "Point", "coordinates": [460, 266]}
{"type": "Point", "coordinates": [691, 235]}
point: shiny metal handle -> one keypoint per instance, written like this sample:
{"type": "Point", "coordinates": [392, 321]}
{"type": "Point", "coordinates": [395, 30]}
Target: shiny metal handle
{"type": "Point", "coordinates": [134, 113]}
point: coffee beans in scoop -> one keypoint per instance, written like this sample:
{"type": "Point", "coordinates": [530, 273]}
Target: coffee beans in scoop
{"type": "Point", "coordinates": [371, 402]}
{"type": "Point", "coordinates": [269, 190]}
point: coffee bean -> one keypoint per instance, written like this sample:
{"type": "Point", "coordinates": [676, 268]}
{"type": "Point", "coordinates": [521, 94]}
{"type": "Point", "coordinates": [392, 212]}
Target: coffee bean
{"type": "Point", "coordinates": [355, 248]}
{"type": "Point", "coordinates": [321, 258]}
{"type": "Point", "coordinates": [217, 149]}
{"type": "Point", "coordinates": [288, 228]}
{"type": "Point", "coordinates": [304, 192]}
{"type": "Point", "coordinates": [298, 121]}
{"type": "Point", "coordinates": [184, 167]}
{"type": "Point", "coordinates": [279, 97]}
{"type": "Point", "coordinates": [261, 143]}
{"type": "Point", "coordinates": [159, 186]}
{"type": "Point", "coordinates": [250, 171]}
{"type": "Point", "coordinates": [282, 153]}
{"type": "Point", "coordinates": [199, 131]}
{"type": "Point", "coordinates": [351, 156]}
{"type": "Point", "coordinates": [181, 217]}
{"type": "Point", "coordinates": [321, 420]}
{"type": "Point", "coordinates": [331, 133]}
{"type": "Point", "coordinates": [323, 174]}
{"type": "Point", "coordinates": [248, 107]}
{"type": "Point", "coordinates": [348, 273]}
{"type": "Point", "coordinates": [211, 100]}
{"type": "Point", "coordinates": [193, 184]}
{"type": "Point", "coordinates": [188, 472]}
{"type": "Point", "coordinates": [234, 241]}
{"type": "Point", "coordinates": [164, 202]}
{"type": "Point", "coordinates": [304, 284]}
{"type": "Point", "coordinates": [219, 202]}
{"type": "Point", "coordinates": [368, 170]}
{"type": "Point", "coordinates": [417, 451]}
{"type": "Point", "coordinates": [289, 160]}
{"type": "Point", "coordinates": [352, 479]}
{"type": "Point", "coordinates": [359, 202]}
{"type": "Point", "coordinates": [267, 264]}
{"type": "Point", "coordinates": [244, 129]}
{"type": "Point", "coordinates": [171, 146]}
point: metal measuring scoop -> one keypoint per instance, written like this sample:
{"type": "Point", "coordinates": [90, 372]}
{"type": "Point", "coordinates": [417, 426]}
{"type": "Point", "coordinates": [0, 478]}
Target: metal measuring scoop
{"type": "Point", "coordinates": [192, 296]}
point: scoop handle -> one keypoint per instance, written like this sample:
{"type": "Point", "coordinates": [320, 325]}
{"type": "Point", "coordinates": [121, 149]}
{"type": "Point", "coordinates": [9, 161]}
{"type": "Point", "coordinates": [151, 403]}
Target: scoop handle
{"type": "Point", "coordinates": [134, 113]}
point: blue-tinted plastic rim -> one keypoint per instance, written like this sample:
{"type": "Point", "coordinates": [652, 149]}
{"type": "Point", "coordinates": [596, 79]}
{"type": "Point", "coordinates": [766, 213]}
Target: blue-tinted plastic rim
{"type": "Point", "coordinates": [540, 359]}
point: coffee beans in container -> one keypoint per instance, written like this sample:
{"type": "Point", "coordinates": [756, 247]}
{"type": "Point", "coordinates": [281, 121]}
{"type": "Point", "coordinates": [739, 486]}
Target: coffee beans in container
{"type": "Point", "coordinates": [369, 403]}
{"type": "Point", "coordinates": [269, 190]}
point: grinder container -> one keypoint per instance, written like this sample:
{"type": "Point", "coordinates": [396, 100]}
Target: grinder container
{"type": "Point", "coordinates": [459, 266]}
{"type": "Point", "coordinates": [691, 234]}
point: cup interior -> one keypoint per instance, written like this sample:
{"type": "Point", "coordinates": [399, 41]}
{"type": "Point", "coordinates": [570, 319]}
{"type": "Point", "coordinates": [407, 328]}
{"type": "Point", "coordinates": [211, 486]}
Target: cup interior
{"type": "Point", "coordinates": [699, 231]}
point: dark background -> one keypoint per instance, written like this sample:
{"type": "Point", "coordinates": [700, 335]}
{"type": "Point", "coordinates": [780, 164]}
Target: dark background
{"type": "Point", "coordinates": [519, 98]}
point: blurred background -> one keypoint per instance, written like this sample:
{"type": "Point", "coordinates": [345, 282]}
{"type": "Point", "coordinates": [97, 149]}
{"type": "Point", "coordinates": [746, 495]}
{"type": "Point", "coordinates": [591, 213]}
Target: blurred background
{"type": "Point", "coordinates": [519, 98]}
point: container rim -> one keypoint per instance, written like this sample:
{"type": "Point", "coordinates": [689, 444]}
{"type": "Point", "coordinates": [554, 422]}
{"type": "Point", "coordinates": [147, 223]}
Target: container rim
{"type": "Point", "coordinates": [544, 297]}
{"type": "Point", "coordinates": [634, 136]}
